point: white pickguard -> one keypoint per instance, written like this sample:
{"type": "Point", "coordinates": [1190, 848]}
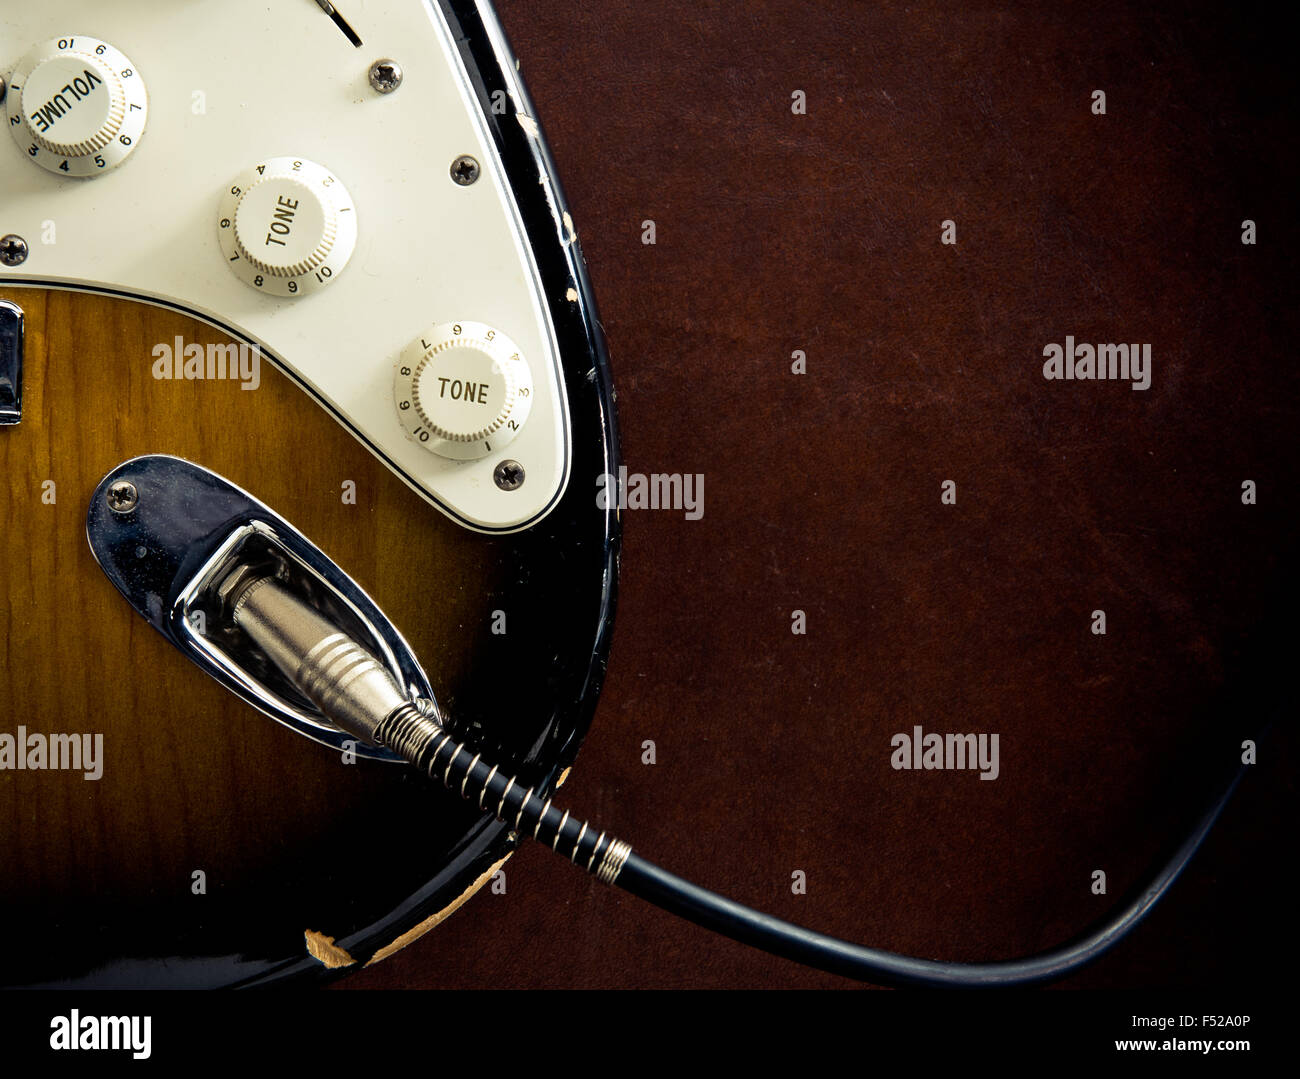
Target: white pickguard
{"type": "Point", "coordinates": [233, 83]}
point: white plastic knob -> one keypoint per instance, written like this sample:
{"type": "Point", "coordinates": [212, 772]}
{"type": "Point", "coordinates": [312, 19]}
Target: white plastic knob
{"type": "Point", "coordinates": [287, 226]}
{"type": "Point", "coordinates": [463, 390]}
{"type": "Point", "coordinates": [77, 106]}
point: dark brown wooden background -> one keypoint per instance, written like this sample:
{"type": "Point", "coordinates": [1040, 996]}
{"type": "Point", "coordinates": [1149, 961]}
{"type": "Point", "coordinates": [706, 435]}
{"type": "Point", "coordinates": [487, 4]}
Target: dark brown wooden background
{"type": "Point", "coordinates": [778, 232]}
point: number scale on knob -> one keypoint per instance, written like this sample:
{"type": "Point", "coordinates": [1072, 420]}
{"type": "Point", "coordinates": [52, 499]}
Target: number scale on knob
{"type": "Point", "coordinates": [463, 390]}
{"type": "Point", "coordinates": [287, 226]}
{"type": "Point", "coordinates": [77, 106]}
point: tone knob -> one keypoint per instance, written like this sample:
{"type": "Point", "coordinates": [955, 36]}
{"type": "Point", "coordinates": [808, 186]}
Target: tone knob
{"type": "Point", "coordinates": [287, 226]}
{"type": "Point", "coordinates": [77, 106]}
{"type": "Point", "coordinates": [463, 390]}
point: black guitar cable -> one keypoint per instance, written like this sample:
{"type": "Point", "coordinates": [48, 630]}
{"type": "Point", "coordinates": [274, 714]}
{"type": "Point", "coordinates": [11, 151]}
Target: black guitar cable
{"type": "Point", "coordinates": [357, 692]}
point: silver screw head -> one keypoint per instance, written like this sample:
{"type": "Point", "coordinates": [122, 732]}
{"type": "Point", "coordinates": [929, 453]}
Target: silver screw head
{"type": "Point", "coordinates": [464, 170]}
{"type": "Point", "coordinates": [509, 475]}
{"type": "Point", "coordinates": [385, 76]}
{"type": "Point", "coordinates": [3, 87]}
{"type": "Point", "coordinates": [13, 250]}
{"type": "Point", "coordinates": [122, 496]}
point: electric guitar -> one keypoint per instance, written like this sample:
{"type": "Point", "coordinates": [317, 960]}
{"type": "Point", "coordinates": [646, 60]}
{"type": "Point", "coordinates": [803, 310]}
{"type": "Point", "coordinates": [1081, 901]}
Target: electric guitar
{"type": "Point", "coordinates": [308, 299]}
{"type": "Point", "coordinates": [267, 252]}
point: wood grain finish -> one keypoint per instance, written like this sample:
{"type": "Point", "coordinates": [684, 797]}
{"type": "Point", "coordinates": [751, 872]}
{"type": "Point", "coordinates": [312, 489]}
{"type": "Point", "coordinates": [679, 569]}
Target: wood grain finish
{"type": "Point", "coordinates": [289, 837]}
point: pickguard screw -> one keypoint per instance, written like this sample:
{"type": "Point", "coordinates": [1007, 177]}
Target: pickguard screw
{"type": "Point", "coordinates": [509, 475]}
{"type": "Point", "coordinates": [385, 76]}
{"type": "Point", "coordinates": [123, 497]}
{"type": "Point", "coordinates": [464, 170]}
{"type": "Point", "coordinates": [13, 250]}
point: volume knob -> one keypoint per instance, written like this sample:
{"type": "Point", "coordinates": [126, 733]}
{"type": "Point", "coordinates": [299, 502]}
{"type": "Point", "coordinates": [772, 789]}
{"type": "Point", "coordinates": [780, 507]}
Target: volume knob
{"type": "Point", "coordinates": [287, 226]}
{"type": "Point", "coordinates": [77, 106]}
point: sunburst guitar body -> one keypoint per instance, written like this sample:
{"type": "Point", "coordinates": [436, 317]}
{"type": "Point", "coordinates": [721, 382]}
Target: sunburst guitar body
{"type": "Point", "coordinates": [351, 289]}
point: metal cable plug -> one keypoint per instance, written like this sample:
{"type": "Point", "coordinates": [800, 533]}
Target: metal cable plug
{"type": "Point", "coordinates": [355, 691]}
{"type": "Point", "coordinates": [352, 688]}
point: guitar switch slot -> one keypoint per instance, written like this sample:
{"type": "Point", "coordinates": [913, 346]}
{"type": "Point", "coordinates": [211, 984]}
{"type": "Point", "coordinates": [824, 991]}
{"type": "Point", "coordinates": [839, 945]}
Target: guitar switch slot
{"type": "Point", "coordinates": [11, 363]}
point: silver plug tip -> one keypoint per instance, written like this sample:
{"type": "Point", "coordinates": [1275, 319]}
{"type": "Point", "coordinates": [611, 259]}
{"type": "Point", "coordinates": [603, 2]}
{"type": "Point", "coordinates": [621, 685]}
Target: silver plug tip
{"type": "Point", "coordinates": [352, 688]}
